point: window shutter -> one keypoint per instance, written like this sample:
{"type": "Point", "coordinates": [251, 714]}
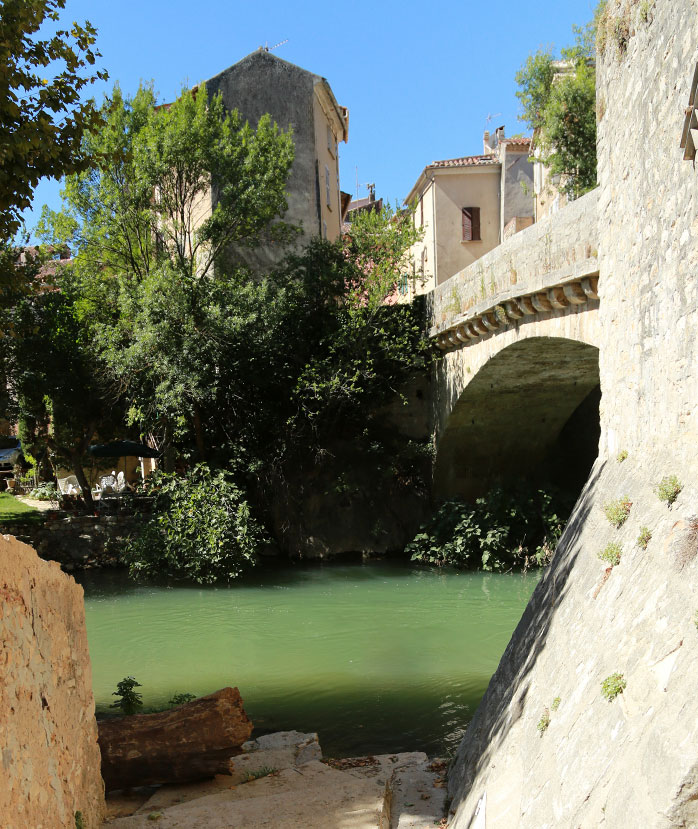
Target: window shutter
{"type": "Point", "coordinates": [327, 186]}
{"type": "Point", "coordinates": [467, 225]}
{"type": "Point", "coordinates": [471, 224]}
{"type": "Point", "coordinates": [475, 212]}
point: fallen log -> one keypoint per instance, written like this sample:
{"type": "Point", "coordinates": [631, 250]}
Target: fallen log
{"type": "Point", "coordinates": [191, 742]}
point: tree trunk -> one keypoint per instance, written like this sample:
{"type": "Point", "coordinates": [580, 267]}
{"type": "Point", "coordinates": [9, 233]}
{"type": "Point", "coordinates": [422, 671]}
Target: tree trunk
{"type": "Point", "coordinates": [191, 742]}
{"type": "Point", "coordinates": [84, 483]}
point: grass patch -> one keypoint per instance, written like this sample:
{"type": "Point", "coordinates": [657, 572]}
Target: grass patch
{"type": "Point", "coordinates": [13, 512]}
{"type": "Point", "coordinates": [264, 771]}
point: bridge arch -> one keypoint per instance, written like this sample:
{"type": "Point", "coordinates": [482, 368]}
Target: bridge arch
{"type": "Point", "coordinates": [517, 406]}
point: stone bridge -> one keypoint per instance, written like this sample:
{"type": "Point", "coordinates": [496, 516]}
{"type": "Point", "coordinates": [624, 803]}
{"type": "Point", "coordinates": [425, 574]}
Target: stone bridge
{"type": "Point", "coordinates": [517, 390]}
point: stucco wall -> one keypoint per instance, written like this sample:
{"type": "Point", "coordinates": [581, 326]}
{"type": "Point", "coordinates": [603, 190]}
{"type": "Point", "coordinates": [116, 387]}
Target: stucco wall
{"type": "Point", "coordinates": [262, 83]}
{"type": "Point", "coordinates": [456, 189]}
{"type": "Point", "coordinates": [50, 757]}
{"type": "Point", "coordinates": [631, 761]}
{"type": "Point", "coordinates": [516, 184]}
{"type": "Point", "coordinates": [331, 219]}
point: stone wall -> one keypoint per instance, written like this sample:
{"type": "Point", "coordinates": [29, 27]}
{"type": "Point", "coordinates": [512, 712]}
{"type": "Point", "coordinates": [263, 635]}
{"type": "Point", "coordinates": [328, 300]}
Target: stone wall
{"type": "Point", "coordinates": [545, 747]}
{"type": "Point", "coordinates": [50, 757]}
{"type": "Point", "coordinates": [80, 542]}
{"type": "Point", "coordinates": [561, 248]}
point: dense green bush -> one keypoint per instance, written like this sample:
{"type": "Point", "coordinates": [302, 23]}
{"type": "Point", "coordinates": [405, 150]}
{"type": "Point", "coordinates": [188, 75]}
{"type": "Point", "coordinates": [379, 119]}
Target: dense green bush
{"type": "Point", "coordinates": [201, 529]}
{"type": "Point", "coordinates": [506, 528]}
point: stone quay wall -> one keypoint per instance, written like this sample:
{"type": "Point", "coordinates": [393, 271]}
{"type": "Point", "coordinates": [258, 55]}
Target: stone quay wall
{"type": "Point", "coordinates": [546, 747]}
{"type": "Point", "coordinates": [50, 756]}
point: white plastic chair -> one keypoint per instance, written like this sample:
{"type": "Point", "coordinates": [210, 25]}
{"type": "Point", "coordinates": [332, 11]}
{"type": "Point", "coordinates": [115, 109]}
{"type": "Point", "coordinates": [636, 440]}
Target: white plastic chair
{"type": "Point", "coordinates": [69, 486]}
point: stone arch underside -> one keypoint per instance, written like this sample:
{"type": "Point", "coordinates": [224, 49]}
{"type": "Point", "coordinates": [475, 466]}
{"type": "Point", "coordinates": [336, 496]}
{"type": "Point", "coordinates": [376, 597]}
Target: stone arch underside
{"type": "Point", "coordinates": [514, 418]}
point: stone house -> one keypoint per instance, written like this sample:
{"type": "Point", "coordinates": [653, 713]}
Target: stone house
{"type": "Point", "coordinates": [466, 206]}
{"type": "Point", "coordinates": [294, 97]}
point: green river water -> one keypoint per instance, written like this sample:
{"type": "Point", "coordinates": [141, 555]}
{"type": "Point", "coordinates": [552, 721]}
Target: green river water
{"type": "Point", "coordinates": [375, 657]}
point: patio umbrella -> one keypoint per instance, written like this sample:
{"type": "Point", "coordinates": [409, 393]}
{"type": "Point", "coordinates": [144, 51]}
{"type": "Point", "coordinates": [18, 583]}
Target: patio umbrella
{"type": "Point", "coordinates": [122, 449]}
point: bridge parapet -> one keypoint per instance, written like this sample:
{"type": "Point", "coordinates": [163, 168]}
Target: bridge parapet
{"type": "Point", "coordinates": [551, 265]}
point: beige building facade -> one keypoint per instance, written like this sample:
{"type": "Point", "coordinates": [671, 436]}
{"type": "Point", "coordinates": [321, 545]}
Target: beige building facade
{"type": "Point", "coordinates": [466, 206]}
{"type": "Point", "coordinates": [304, 102]}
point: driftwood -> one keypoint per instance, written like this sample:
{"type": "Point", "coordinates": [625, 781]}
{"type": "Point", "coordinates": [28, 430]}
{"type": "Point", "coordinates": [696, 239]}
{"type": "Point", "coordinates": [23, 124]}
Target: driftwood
{"type": "Point", "coordinates": [191, 742]}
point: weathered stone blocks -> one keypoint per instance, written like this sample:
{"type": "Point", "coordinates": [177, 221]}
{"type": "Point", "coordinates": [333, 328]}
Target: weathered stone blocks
{"type": "Point", "coordinates": [50, 758]}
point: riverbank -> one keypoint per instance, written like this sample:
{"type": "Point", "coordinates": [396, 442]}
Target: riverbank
{"type": "Point", "coordinates": [285, 775]}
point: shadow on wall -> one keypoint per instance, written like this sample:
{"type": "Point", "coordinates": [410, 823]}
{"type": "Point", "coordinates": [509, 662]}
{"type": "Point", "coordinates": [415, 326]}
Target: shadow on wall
{"type": "Point", "coordinates": [504, 700]}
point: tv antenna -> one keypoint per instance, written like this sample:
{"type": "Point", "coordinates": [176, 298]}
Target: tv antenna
{"type": "Point", "coordinates": [268, 48]}
{"type": "Point", "coordinates": [490, 116]}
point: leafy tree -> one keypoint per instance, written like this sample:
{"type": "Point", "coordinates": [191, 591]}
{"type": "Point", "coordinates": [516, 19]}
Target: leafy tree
{"type": "Point", "coordinates": [558, 100]}
{"type": "Point", "coordinates": [148, 240]}
{"type": "Point", "coordinates": [201, 529]}
{"type": "Point", "coordinates": [42, 120]}
{"type": "Point", "coordinates": [149, 206]}
{"type": "Point", "coordinates": [57, 390]}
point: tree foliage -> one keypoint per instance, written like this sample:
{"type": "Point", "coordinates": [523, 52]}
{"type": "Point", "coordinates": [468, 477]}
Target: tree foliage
{"type": "Point", "coordinates": [503, 529]}
{"type": "Point", "coordinates": [201, 529]}
{"type": "Point", "coordinates": [558, 100]}
{"type": "Point", "coordinates": [58, 394]}
{"type": "Point", "coordinates": [42, 120]}
{"type": "Point", "coordinates": [183, 182]}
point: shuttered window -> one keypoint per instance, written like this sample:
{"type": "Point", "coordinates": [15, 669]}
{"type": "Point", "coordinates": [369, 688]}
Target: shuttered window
{"type": "Point", "coordinates": [328, 193]}
{"type": "Point", "coordinates": [471, 224]}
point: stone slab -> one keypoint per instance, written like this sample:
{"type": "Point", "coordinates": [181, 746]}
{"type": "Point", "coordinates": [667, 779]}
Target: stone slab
{"type": "Point", "coordinates": [311, 797]}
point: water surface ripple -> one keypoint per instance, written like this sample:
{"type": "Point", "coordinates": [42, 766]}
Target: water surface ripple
{"type": "Point", "coordinates": [375, 657]}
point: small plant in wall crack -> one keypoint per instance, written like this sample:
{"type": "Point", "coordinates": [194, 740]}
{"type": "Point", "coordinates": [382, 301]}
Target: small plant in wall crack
{"type": "Point", "coordinates": [543, 722]}
{"type": "Point", "coordinates": [644, 538]}
{"type": "Point", "coordinates": [668, 489]}
{"type": "Point", "coordinates": [611, 553]}
{"type": "Point", "coordinates": [555, 704]}
{"type": "Point", "coordinates": [618, 511]}
{"type": "Point", "coordinates": [622, 455]}
{"type": "Point", "coordinates": [695, 619]}
{"type": "Point", "coordinates": [612, 686]}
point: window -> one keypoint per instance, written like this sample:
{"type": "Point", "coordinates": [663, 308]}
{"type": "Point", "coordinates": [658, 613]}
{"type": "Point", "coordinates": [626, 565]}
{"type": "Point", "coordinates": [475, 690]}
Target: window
{"type": "Point", "coordinates": [403, 285]}
{"type": "Point", "coordinates": [324, 230]}
{"type": "Point", "coordinates": [327, 187]}
{"type": "Point", "coordinates": [330, 141]}
{"type": "Point", "coordinates": [471, 224]}
{"type": "Point", "coordinates": [421, 212]}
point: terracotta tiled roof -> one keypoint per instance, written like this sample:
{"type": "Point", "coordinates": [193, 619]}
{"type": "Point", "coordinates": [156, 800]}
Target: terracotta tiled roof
{"type": "Point", "coordinates": [466, 161]}
{"type": "Point", "coordinates": [523, 142]}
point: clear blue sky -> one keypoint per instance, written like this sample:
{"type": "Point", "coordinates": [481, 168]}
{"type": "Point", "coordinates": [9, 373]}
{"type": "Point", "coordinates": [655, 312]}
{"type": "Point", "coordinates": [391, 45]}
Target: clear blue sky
{"type": "Point", "coordinates": [419, 78]}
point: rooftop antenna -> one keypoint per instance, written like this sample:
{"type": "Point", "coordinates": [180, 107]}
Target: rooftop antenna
{"type": "Point", "coordinates": [490, 116]}
{"type": "Point", "coordinates": [268, 48]}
